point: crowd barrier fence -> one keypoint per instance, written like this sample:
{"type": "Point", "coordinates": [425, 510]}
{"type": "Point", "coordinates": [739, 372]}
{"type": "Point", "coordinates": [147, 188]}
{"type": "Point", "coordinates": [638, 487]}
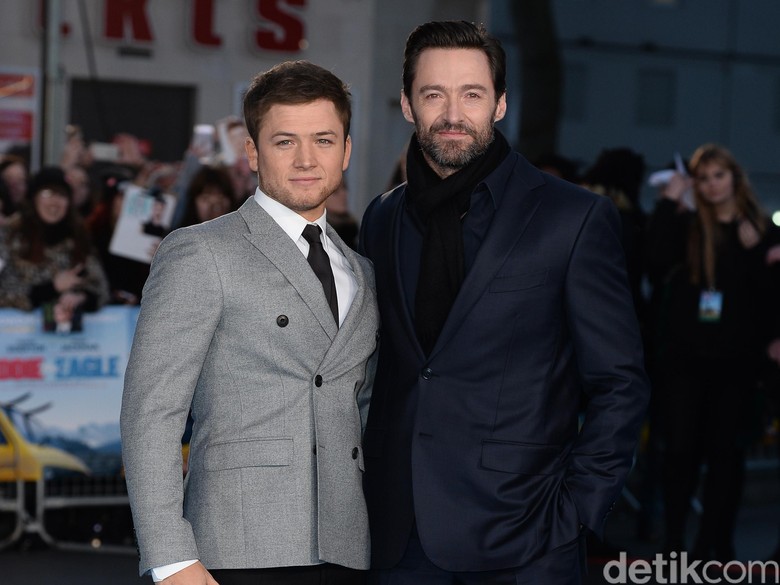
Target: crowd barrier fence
{"type": "Point", "coordinates": [60, 453]}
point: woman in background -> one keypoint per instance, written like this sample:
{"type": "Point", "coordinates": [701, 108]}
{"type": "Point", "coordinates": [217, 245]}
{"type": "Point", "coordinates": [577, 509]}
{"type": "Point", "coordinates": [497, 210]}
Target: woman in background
{"type": "Point", "coordinates": [209, 195]}
{"type": "Point", "coordinates": [711, 266]}
{"type": "Point", "coordinates": [48, 255]}
{"type": "Point", "coordinates": [13, 175]}
{"type": "Point", "coordinates": [126, 277]}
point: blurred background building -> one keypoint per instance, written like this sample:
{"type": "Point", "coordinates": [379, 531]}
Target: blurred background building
{"type": "Point", "coordinates": [657, 76]}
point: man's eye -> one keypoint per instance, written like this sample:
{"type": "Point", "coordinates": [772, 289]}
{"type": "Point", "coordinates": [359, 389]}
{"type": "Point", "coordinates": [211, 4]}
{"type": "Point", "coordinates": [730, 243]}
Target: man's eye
{"type": "Point", "coordinates": [324, 141]}
{"type": "Point", "coordinates": [284, 142]}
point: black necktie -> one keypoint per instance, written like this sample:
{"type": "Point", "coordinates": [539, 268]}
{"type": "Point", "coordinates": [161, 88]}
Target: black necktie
{"type": "Point", "coordinates": [320, 263]}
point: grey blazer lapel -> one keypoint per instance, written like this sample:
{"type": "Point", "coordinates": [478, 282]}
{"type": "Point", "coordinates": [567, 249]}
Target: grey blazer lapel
{"type": "Point", "coordinates": [361, 323]}
{"type": "Point", "coordinates": [272, 241]}
{"type": "Point", "coordinates": [360, 276]}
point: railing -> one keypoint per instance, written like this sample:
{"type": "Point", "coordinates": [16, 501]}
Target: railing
{"type": "Point", "coordinates": [12, 508]}
{"type": "Point", "coordinates": [92, 512]}
{"type": "Point", "coordinates": [75, 513]}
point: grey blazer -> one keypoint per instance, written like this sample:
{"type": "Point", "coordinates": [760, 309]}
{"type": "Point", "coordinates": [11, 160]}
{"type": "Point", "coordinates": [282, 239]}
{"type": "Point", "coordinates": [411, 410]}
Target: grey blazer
{"type": "Point", "coordinates": [234, 324]}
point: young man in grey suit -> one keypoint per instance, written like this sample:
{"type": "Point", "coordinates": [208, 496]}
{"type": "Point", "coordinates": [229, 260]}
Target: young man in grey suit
{"type": "Point", "coordinates": [272, 359]}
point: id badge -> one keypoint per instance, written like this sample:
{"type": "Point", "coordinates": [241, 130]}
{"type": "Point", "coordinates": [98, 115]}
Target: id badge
{"type": "Point", "coordinates": [710, 306]}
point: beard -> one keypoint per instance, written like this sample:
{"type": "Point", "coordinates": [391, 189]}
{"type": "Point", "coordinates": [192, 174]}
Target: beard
{"type": "Point", "coordinates": [452, 154]}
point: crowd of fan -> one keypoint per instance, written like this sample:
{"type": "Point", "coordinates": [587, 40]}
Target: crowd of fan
{"type": "Point", "coordinates": [703, 267]}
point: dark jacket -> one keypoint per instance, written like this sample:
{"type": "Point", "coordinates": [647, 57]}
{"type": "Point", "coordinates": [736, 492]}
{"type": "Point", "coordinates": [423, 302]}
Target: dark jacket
{"type": "Point", "coordinates": [479, 442]}
{"type": "Point", "coordinates": [741, 276]}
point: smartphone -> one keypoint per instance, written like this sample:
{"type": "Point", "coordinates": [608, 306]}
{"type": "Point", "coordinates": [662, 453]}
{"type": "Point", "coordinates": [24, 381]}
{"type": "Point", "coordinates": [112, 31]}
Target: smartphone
{"type": "Point", "coordinates": [203, 142]}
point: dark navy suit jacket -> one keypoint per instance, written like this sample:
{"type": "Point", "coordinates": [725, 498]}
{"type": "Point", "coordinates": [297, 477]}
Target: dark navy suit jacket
{"type": "Point", "coordinates": [480, 443]}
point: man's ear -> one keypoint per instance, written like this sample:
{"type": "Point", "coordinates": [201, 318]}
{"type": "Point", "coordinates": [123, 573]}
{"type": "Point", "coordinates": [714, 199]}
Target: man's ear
{"type": "Point", "coordinates": [500, 108]}
{"type": "Point", "coordinates": [406, 108]}
{"type": "Point", "coordinates": [251, 153]}
{"type": "Point", "coordinates": [347, 153]}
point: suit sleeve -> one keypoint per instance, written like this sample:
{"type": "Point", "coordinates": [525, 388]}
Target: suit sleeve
{"type": "Point", "coordinates": [182, 304]}
{"type": "Point", "coordinates": [363, 236]}
{"type": "Point", "coordinates": [367, 388]}
{"type": "Point", "coordinates": [610, 360]}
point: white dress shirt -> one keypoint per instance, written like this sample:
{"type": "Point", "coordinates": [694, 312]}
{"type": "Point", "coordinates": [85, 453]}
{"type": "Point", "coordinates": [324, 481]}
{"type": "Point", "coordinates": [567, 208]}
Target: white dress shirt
{"type": "Point", "coordinates": [293, 224]}
{"type": "Point", "coordinates": [346, 288]}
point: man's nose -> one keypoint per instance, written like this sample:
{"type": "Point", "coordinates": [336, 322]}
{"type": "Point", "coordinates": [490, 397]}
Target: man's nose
{"type": "Point", "coordinates": [305, 157]}
{"type": "Point", "coordinates": [453, 113]}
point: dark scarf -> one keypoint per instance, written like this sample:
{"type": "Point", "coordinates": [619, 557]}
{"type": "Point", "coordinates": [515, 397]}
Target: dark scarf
{"type": "Point", "coordinates": [438, 205]}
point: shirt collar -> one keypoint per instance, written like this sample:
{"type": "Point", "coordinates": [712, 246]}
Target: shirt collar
{"type": "Point", "coordinates": [496, 181]}
{"type": "Point", "coordinates": [291, 222]}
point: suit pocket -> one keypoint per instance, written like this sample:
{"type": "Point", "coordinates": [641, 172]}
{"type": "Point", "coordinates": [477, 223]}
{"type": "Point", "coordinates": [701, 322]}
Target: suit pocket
{"type": "Point", "coordinates": [526, 458]}
{"type": "Point", "coordinates": [519, 281]}
{"type": "Point", "coordinates": [249, 453]}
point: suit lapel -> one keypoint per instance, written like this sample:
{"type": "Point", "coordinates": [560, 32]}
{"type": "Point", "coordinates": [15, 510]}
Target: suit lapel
{"type": "Point", "coordinates": [271, 240]}
{"type": "Point", "coordinates": [393, 253]}
{"type": "Point", "coordinates": [360, 316]}
{"type": "Point", "coordinates": [353, 314]}
{"type": "Point", "coordinates": [518, 205]}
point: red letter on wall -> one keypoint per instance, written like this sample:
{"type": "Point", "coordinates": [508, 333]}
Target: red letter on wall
{"type": "Point", "coordinates": [118, 11]}
{"type": "Point", "coordinates": [203, 23]}
{"type": "Point", "coordinates": [291, 27]}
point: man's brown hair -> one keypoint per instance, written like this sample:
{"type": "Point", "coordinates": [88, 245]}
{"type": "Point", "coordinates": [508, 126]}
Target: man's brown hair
{"type": "Point", "coordinates": [291, 83]}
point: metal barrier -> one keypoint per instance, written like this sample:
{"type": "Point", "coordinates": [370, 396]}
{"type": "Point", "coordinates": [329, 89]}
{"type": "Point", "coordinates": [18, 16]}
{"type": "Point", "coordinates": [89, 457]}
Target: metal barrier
{"type": "Point", "coordinates": [32, 504]}
{"type": "Point", "coordinates": [12, 503]}
{"type": "Point", "coordinates": [53, 478]}
{"type": "Point", "coordinates": [11, 494]}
